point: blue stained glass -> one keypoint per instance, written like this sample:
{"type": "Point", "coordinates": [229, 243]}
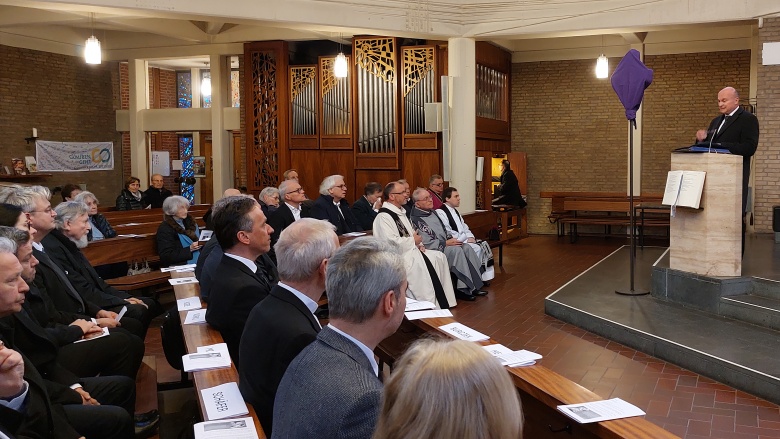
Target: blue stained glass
{"type": "Point", "coordinates": [185, 153]}
{"type": "Point", "coordinates": [184, 89]}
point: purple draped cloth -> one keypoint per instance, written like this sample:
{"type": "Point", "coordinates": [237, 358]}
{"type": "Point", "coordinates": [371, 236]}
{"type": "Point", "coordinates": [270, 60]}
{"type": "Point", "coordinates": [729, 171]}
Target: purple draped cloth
{"type": "Point", "coordinates": [630, 79]}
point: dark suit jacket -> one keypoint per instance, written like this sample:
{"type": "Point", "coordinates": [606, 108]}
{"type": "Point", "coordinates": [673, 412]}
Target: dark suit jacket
{"type": "Point", "coordinates": [205, 251]}
{"type": "Point", "coordinates": [155, 197]}
{"type": "Point", "coordinates": [364, 213]}
{"type": "Point", "coordinates": [56, 323]}
{"type": "Point", "coordinates": [324, 209]}
{"type": "Point", "coordinates": [335, 376]}
{"type": "Point", "coordinates": [229, 306]}
{"type": "Point", "coordinates": [169, 245]}
{"type": "Point", "coordinates": [42, 417]}
{"type": "Point", "coordinates": [62, 295]}
{"type": "Point", "coordinates": [509, 190]}
{"type": "Point", "coordinates": [740, 136]}
{"type": "Point", "coordinates": [277, 329]}
{"type": "Point", "coordinates": [279, 220]}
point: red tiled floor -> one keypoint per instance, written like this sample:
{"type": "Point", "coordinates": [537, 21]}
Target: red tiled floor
{"type": "Point", "coordinates": [676, 399]}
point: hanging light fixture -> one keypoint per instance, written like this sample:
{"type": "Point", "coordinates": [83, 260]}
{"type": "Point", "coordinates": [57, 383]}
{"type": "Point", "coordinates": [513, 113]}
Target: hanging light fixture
{"type": "Point", "coordinates": [92, 53]}
{"type": "Point", "coordinates": [602, 67]}
{"type": "Point", "coordinates": [205, 87]}
{"type": "Point", "coordinates": [340, 66]}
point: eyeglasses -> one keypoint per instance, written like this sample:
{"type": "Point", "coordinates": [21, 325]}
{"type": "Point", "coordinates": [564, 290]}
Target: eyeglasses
{"type": "Point", "coordinates": [397, 193]}
{"type": "Point", "coordinates": [437, 184]}
{"type": "Point", "coordinates": [297, 191]}
{"type": "Point", "coordinates": [47, 210]}
{"type": "Point", "coordinates": [341, 186]}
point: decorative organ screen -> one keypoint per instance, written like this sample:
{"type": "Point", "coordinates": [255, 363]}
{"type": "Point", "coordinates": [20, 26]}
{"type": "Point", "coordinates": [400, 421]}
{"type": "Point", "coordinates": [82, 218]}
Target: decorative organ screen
{"type": "Point", "coordinates": [336, 107]}
{"type": "Point", "coordinates": [375, 59]}
{"type": "Point", "coordinates": [492, 93]}
{"type": "Point", "coordinates": [418, 86]}
{"type": "Point", "coordinates": [303, 94]}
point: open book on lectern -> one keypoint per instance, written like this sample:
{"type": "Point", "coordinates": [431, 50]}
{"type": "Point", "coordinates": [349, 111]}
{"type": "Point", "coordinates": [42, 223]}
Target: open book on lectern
{"type": "Point", "coordinates": [684, 188]}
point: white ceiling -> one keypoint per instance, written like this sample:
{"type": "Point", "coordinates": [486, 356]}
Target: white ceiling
{"type": "Point", "coordinates": [183, 33]}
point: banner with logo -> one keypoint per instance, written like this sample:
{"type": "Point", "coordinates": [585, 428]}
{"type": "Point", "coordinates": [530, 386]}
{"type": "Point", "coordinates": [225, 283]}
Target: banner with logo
{"type": "Point", "coordinates": [74, 156]}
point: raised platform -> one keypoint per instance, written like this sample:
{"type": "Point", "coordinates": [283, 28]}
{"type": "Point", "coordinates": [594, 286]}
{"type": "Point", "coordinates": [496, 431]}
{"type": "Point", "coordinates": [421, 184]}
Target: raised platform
{"type": "Point", "coordinates": [673, 324]}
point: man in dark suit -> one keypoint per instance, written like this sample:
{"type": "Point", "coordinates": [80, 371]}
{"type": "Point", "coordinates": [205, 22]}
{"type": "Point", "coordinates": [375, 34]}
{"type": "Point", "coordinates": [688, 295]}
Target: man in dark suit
{"type": "Point", "coordinates": [292, 195]}
{"type": "Point", "coordinates": [736, 130]}
{"type": "Point", "coordinates": [243, 235]}
{"type": "Point", "coordinates": [331, 206]}
{"type": "Point", "coordinates": [280, 326]}
{"type": "Point", "coordinates": [366, 207]}
{"type": "Point", "coordinates": [156, 194]}
{"type": "Point", "coordinates": [331, 389]}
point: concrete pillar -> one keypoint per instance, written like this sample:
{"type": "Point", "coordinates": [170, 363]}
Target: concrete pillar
{"type": "Point", "coordinates": [221, 149]}
{"type": "Point", "coordinates": [139, 100]}
{"type": "Point", "coordinates": [463, 120]}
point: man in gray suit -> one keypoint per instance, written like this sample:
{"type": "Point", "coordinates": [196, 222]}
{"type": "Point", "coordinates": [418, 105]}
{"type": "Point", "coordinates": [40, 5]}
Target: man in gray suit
{"type": "Point", "coordinates": [331, 389]}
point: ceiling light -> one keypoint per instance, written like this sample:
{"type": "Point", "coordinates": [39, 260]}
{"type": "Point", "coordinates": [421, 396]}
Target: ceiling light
{"type": "Point", "coordinates": [205, 87]}
{"type": "Point", "coordinates": [340, 66]}
{"type": "Point", "coordinates": [92, 51]}
{"type": "Point", "coordinates": [602, 67]}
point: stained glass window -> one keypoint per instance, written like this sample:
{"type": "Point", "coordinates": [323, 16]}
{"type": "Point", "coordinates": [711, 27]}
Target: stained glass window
{"type": "Point", "coordinates": [184, 89]}
{"type": "Point", "coordinates": [185, 153]}
{"type": "Point", "coordinates": [235, 88]}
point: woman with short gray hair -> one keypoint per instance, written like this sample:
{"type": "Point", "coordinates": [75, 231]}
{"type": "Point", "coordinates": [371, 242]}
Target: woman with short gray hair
{"type": "Point", "coordinates": [177, 236]}
{"type": "Point", "coordinates": [269, 200]}
{"type": "Point", "coordinates": [101, 228]}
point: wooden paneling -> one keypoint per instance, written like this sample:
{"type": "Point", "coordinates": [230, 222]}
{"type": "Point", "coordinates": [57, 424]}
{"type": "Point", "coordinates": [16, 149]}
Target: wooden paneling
{"type": "Point", "coordinates": [314, 165]}
{"type": "Point", "coordinates": [418, 166]}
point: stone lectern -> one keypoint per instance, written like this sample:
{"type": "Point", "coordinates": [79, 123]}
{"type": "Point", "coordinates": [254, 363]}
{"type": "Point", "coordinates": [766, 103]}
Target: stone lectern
{"type": "Point", "coordinates": [708, 241]}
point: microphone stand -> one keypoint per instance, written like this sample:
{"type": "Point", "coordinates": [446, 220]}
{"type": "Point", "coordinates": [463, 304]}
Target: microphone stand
{"type": "Point", "coordinates": [632, 213]}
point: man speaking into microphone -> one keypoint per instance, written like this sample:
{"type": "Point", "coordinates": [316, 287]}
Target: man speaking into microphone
{"type": "Point", "coordinates": [736, 130]}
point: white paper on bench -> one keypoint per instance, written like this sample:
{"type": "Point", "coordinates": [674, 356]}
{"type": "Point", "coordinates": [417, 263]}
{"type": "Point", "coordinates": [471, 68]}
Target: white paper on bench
{"type": "Point", "coordinates": [352, 234]}
{"type": "Point", "coordinates": [205, 360]}
{"type": "Point", "coordinates": [428, 314]}
{"type": "Point", "coordinates": [418, 305]}
{"type": "Point", "coordinates": [183, 281]}
{"type": "Point", "coordinates": [598, 411]}
{"type": "Point", "coordinates": [463, 332]}
{"type": "Point", "coordinates": [239, 428]}
{"type": "Point", "coordinates": [223, 401]}
{"type": "Point", "coordinates": [188, 304]}
{"type": "Point", "coordinates": [131, 235]}
{"type": "Point", "coordinates": [177, 267]}
{"type": "Point", "coordinates": [218, 347]}
{"type": "Point", "coordinates": [196, 316]}
{"type": "Point", "coordinates": [512, 358]}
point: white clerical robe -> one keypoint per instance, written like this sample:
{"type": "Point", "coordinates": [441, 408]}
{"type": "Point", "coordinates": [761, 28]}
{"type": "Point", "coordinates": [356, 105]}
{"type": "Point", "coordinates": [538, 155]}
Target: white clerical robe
{"type": "Point", "coordinates": [420, 285]}
{"type": "Point", "coordinates": [462, 233]}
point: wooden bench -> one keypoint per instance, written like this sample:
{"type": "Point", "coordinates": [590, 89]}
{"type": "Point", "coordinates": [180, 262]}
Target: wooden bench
{"type": "Point", "coordinates": [542, 390]}
{"type": "Point", "coordinates": [116, 217]}
{"type": "Point", "coordinates": [482, 222]}
{"type": "Point", "coordinates": [202, 335]}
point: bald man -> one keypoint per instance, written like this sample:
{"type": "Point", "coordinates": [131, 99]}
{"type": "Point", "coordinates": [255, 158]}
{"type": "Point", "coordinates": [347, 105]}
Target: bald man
{"type": "Point", "coordinates": [736, 130]}
{"type": "Point", "coordinates": [156, 194]}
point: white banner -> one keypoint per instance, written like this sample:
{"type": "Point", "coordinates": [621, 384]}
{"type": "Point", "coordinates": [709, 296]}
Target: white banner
{"type": "Point", "coordinates": [74, 156]}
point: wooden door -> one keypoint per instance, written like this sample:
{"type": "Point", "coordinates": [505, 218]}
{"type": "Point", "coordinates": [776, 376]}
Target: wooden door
{"type": "Point", "coordinates": [207, 182]}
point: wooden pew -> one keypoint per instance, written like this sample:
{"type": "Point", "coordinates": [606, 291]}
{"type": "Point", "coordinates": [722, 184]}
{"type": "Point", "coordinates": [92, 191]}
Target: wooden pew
{"type": "Point", "coordinates": [542, 390]}
{"type": "Point", "coordinates": [480, 224]}
{"type": "Point", "coordinates": [116, 217]}
{"type": "Point", "coordinates": [203, 335]}
{"type": "Point", "coordinates": [127, 249]}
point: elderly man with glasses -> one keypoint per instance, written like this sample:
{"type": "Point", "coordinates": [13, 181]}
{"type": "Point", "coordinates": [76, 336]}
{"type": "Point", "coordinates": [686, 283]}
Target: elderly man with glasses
{"type": "Point", "coordinates": [332, 206]}
{"type": "Point", "coordinates": [436, 188]}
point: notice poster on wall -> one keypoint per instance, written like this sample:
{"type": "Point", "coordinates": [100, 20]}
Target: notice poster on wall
{"type": "Point", "coordinates": [161, 163]}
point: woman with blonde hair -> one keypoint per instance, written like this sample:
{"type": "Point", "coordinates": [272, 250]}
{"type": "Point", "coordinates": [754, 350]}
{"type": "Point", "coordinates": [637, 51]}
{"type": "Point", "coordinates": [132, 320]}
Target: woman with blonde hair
{"type": "Point", "coordinates": [449, 389]}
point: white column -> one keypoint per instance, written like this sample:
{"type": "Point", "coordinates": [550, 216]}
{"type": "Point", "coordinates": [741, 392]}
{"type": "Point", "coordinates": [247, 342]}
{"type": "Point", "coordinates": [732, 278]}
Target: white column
{"type": "Point", "coordinates": [138, 76]}
{"type": "Point", "coordinates": [637, 140]}
{"type": "Point", "coordinates": [220, 140]}
{"type": "Point", "coordinates": [463, 120]}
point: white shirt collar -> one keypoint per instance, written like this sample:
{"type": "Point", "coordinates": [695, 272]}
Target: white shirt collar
{"type": "Point", "coordinates": [361, 346]}
{"type": "Point", "coordinates": [38, 246]}
{"type": "Point", "coordinates": [250, 264]}
{"type": "Point", "coordinates": [735, 110]}
{"type": "Point", "coordinates": [392, 207]}
{"type": "Point", "coordinates": [310, 304]}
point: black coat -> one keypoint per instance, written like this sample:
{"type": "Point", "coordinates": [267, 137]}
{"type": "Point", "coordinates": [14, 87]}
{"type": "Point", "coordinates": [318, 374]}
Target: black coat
{"type": "Point", "coordinates": [279, 220]}
{"type": "Point", "coordinates": [324, 209]}
{"type": "Point", "coordinates": [229, 305]}
{"type": "Point", "coordinates": [740, 136]}
{"type": "Point", "coordinates": [509, 190]}
{"type": "Point", "coordinates": [63, 296]}
{"type": "Point", "coordinates": [364, 212]}
{"type": "Point", "coordinates": [126, 201]}
{"type": "Point", "coordinates": [103, 225]}
{"type": "Point", "coordinates": [154, 197]}
{"type": "Point", "coordinates": [169, 246]}
{"type": "Point", "coordinates": [277, 330]}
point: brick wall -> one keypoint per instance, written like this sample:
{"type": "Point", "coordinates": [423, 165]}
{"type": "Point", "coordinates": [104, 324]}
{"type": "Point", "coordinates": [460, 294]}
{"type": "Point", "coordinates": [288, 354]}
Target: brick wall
{"type": "Point", "coordinates": [66, 100]}
{"type": "Point", "coordinates": [767, 158]}
{"type": "Point", "coordinates": [682, 99]}
{"type": "Point", "coordinates": [573, 127]}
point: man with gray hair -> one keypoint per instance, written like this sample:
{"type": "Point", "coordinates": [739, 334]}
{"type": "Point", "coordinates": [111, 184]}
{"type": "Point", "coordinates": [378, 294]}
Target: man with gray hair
{"type": "Point", "coordinates": [64, 246]}
{"type": "Point", "coordinates": [292, 195]}
{"type": "Point", "coordinates": [280, 326]}
{"type": "Point", "coordinates": [464, 263]}
{"type": "Point", "coordinates": [331, 389]}
{"type": "Point", "coordinates": [332, 206]}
